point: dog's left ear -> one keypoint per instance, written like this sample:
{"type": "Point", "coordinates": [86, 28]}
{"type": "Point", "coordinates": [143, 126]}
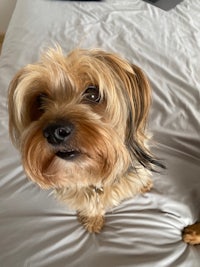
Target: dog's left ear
{"type": "Point", "coordinates": [137, 96]}
{"type": "Point", "coordinates": [140, 100]}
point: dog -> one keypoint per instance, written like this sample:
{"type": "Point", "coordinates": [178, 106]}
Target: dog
{"type": "Point", "coordinates": [79, 122]}
{"type": "Point", "coordinates": [191, 234]}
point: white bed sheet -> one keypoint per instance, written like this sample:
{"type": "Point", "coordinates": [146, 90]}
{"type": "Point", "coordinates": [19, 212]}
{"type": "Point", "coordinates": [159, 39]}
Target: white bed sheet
{"type": "Point", "coordinates": [36, 230]}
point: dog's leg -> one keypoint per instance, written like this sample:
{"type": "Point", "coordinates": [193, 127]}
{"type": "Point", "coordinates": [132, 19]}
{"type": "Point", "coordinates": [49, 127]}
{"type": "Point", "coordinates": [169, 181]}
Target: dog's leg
{"type": "Point", "coordinates": [94, 223]}
{"type": "Point", "coordinates": [191, 234]}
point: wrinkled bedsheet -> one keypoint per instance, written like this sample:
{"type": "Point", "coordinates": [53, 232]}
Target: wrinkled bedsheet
{"type": "Point", "coordinates": [36, 230]}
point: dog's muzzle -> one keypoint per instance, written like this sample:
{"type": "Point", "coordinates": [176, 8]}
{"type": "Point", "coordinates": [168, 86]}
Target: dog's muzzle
{"type": "Point", "coordinates": [58, 135]}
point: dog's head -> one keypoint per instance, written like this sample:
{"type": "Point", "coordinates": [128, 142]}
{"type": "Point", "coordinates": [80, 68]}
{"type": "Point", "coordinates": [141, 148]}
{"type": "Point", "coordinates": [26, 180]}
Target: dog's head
{"type": "Point", "coordinates": [80, 119]}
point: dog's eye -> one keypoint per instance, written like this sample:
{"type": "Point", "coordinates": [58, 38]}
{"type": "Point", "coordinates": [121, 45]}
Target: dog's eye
{"type": "Point", "coordinates": [92, 94]}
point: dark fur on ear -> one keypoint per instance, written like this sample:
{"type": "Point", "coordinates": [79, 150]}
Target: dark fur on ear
{"type": "Point", "coordinates": [140, 105]}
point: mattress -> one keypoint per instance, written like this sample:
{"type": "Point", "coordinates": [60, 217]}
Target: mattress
{"type": "Point", "coordinates": [38, 231]}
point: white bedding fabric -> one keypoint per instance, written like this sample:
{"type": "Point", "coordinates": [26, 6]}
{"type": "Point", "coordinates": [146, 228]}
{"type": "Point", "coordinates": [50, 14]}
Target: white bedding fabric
{"type": "Point", "coordinates": [36, 230]}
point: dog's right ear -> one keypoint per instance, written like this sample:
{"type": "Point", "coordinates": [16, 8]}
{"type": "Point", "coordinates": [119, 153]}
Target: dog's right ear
{"type": "Point", "coordinates": [14, 104]}
{"type": "Point", "coordinates": [25, 95]}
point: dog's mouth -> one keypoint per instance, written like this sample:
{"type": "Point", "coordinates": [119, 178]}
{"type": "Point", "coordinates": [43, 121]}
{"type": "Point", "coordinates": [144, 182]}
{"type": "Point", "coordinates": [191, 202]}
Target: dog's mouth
{"type": "Point", "coordinates": [68, 154]}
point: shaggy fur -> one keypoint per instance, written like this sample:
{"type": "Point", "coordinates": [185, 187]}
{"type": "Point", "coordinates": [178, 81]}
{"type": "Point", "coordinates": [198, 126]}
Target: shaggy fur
{"type": "Point", "coordinates": [191, 234]}
{"type": "Point", "coordinates": [79, 122]}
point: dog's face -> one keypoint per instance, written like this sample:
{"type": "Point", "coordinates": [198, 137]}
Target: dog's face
{"type": "Point", "coordinates": [79, 119]}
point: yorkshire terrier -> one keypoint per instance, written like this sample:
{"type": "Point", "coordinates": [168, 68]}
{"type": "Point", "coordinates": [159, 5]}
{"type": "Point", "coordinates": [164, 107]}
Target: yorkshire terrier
{"type": "Point", "coordinates": [191, 234]}
{"type": "Point", "coordinates": [79, 122]}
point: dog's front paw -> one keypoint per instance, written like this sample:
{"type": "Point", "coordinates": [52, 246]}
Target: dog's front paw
{"type": "Point", "coordinates": [93, 224]}
{"type": "Point", "coordinates": [191, 234]}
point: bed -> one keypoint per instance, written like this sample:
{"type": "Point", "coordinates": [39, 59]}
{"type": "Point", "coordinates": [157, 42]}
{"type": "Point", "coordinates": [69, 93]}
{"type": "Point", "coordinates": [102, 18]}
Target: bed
{"type": "Point", "coordinates": [38, 231]}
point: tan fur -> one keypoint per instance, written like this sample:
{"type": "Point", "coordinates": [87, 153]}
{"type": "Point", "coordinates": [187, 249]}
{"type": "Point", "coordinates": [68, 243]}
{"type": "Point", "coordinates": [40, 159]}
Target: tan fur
{"type": "Point", "coordinates": [109, 136]}
{"type": "Point", "coordinates": [191, 234]}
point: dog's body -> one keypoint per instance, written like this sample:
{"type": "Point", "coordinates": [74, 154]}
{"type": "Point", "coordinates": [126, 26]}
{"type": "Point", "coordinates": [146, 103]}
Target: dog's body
{"type": "Point", "coordinates": [79, 122]}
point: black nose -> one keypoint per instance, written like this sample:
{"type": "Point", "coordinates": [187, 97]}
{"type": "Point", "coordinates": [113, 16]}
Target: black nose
{"type": "Point", "coordinates": [57, 133]}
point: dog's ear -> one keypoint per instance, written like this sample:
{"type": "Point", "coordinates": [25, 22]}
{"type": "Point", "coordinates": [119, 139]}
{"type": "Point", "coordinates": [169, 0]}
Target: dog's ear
{"type": "Point", "coordinates": [139, 92]}
{"type": "Point", "coordinates": [14, 125]}
{"type": "Point", "coordinates": [22, 103]}
{"type": "Point", "coordinates": [136, 91]}
{"type": "Point", "coordinates": [140, 100]}
{"type": "Point", "coordinates": [25, 94]}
